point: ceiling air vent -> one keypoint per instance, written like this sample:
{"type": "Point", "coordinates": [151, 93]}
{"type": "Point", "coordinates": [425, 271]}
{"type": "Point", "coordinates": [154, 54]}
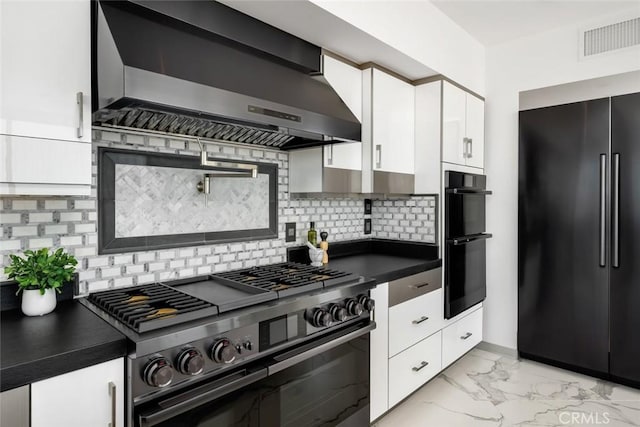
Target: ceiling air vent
{"type": "Point", "coordinates": [610, 37]}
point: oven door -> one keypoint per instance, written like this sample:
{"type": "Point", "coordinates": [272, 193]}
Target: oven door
{"type": "Point", "coordinates": [321, 383]}
{"type": "Point", "coordinates": [465, 212]}
{"type": "Point", "coordinates": [465, 273]}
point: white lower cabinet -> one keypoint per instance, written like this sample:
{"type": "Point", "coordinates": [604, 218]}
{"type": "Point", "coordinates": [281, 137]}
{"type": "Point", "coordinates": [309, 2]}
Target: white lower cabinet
{"type": "Point", "coordinates": [413, 367]}
{"type": "Point", "coordinates": [461, 336]}
{"type": "Point", "coordinates": [92, 396]}
{"type": "Point", "coordinates": [414, 320]}
{"type": "Point", "coordinates": [379, 359]}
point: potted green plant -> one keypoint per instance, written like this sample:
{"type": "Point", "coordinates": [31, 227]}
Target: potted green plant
{"type": "Point", "coordinates": [40, 275]}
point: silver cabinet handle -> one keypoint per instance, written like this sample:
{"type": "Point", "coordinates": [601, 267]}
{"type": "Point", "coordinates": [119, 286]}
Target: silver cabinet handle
{"type": "Point", "coordinates": [379, 156]}
{"type": "Point", "coordinates": [80, 102]}
{"type": "Point", "coordinates": [470, 141]}
{"type": "Point", "coordinates": [420, 320]}
{"type": "Point", "coordinates": [603, 212]}
{"type": "Point", "coordinates": [422, 365]}
{"type": "Point", "coordinates": [465, 336]}
{"type": "Point", "coordinates": [113, 394]}
{"type": "Point", "coordinates": [330, 157]}
{"type": "Point", "coordinates": [419, 286]}
{"type": "Point", "coordinates": [465, 154]}
{"type": "Point", "coordinates": [615, 213]}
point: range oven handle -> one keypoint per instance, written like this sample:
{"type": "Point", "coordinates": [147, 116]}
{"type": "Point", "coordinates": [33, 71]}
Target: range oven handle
{"type": "Point", "coordinates": [477, 191]}
{"type": "Point", "coordinates": [286, 360]}
{"type": "Point", "coordinates": [467, 239]}
{"type": "Point", "coordinates": [191, 399]}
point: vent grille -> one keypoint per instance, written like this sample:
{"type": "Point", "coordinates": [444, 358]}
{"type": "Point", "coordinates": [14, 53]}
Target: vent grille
{"type": "Point", "coordinates": [611, 37]}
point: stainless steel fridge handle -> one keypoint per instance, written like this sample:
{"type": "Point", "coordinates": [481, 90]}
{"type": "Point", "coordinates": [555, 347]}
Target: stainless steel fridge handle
{"type": "Point", "coordinates": [603, 212]}
{"type": "Point", "coordinates": [615, 213]}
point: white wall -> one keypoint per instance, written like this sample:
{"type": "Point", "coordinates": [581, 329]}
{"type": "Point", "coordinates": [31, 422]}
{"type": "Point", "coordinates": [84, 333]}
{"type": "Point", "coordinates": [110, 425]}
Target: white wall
{"type": "Point", "coordinates": [538, 61]}
{"type": "Point", "coordinates": [420, 30]}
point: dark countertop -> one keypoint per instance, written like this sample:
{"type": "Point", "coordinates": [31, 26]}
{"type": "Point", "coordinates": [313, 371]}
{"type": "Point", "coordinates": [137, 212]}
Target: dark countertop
{"type": "Point", "coordinates": [69, 338]}
{"type": "Point", "coordinates": [383, 260]}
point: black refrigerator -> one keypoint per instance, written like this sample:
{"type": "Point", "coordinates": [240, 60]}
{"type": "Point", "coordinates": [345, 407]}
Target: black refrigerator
{"type": "Point", "coordinates": [579, 237]}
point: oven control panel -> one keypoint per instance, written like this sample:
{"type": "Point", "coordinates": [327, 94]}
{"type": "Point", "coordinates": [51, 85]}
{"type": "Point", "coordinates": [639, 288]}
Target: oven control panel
{"type": "Point", "coordinates": [336, 312]}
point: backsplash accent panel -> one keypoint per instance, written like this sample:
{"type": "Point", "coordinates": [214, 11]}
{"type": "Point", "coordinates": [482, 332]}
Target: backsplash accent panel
{"type": "Point", "coordinates": [153, 201]}
{"type": "Point", "coordinates": [71, 222]}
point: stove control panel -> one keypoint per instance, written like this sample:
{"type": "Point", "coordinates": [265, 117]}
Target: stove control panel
{"type": "Point", "coordinates": [338, 311]}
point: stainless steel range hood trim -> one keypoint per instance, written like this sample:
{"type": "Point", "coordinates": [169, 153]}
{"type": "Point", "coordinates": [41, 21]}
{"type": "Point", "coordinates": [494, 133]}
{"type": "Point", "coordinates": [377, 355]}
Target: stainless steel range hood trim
{"type": "Point", "coordinates": [145, 132]}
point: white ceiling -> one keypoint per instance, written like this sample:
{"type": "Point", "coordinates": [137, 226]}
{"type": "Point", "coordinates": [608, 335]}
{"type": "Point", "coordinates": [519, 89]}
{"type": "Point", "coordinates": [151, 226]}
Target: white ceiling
{"type": "Point", "coordinates": [496, 21]}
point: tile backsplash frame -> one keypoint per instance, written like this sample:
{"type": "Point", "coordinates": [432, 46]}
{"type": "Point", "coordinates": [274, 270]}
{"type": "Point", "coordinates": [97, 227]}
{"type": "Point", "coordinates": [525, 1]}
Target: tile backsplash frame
{"type": "Point", "coordinates": [71, 222]}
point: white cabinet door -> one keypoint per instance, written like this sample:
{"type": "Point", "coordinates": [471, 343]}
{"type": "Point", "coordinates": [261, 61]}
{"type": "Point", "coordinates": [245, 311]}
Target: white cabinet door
{"type": "Point", "coordinates": [461, 336]}
{"type": "Point", "coordinates": [45, 61]}
{"type": "Point", "coordinates": [414, 320]}
{"type": "Point", "coordinates": [427, 138]}
{"type": "Point", "coordinates": [347, 82]}
{"type": "Point", "coordinates": [475, 131]}
{"type": "Point", "coordinates": [413, 367]}
{"type": "Point", "coordinates": [80, 398]}
{"type": "Point", "coordinates": [379, 357]}
{"type": "Point", "coordinates": [453, 124]}
{"type": "Point", "coordinates": [393, 121]}
{"type": "Point", "coordinates": [462, 127]}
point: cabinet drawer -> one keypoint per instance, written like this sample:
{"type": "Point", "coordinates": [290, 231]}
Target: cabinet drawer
{"type": "Point", "coordinates": [414, 320]}
{"type": "Point", "coordinates": [461, 336]}
{"type": "Point", "coordinates": [413, 367]}
{"type": "Point", "coordinates": [410, 287]}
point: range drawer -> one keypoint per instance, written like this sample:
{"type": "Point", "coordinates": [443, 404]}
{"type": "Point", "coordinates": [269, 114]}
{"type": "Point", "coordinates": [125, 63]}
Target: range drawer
{"type": "Point", "coordinates": [414, 320]}
{"type": "Point", "coordinates": [461, 336]}
{"type": "Point", "coordinates": [413, 367]}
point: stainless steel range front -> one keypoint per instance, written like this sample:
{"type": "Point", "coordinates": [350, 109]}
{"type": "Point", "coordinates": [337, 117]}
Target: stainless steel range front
{"type": "Point", "coordinates": [285, 344]}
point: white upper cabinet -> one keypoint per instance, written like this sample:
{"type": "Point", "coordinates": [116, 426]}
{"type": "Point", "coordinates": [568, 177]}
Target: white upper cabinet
{"type": "Point", "coordinates": [462, 127]}
{"type": "Point", "coordinates": [427, 138]}
{"type": "Point", "coordinates": [45, 97]}
{"type": "Point", "coordinates": [347, 82]}
{"type": "Point", "coordinates": [393, 120]}
{"type": "Point", "coordinates": [46, 69]}
{"type": "Point", "coordinates": [475, 131]}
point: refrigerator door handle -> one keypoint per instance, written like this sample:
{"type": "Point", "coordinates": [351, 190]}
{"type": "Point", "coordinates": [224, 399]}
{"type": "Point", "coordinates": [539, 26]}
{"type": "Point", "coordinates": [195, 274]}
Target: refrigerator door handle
{"type": "Point", "coordinates": [603, 212]}
{"type": "Point", "coordinates": [615, 214]}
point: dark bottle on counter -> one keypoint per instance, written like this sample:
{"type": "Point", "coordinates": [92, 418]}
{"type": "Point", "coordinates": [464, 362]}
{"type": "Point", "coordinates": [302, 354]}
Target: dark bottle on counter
{"type": "Point", "coordinates": [312, 234]}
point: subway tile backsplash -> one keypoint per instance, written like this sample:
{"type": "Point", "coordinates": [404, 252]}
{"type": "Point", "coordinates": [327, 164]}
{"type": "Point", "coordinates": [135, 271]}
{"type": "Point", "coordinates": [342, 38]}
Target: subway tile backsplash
{"type": "Point", "coordinates": [71, 222]}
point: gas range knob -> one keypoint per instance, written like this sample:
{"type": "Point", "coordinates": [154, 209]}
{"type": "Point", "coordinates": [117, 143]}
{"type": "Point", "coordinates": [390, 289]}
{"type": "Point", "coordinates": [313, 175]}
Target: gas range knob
{"type": "Point", "coordinates": [321, 318]}
{"type": "Point", "coordinates": [158, 372]}
{"type": "Point", "coordinates": [338, 313]}
{"type": "Point", "coordinates": [190, 361]}
{"type": "Point", "coordinates": [354, 307]}
{"type": "Point", "coordinates": [367, 303]}
{"type": "Point", "coordinates": [223, 351]}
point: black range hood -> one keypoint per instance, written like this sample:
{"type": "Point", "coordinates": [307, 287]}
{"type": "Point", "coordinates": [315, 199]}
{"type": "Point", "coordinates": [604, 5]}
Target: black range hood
{"type": "Point", "coordinates": [202, 69]}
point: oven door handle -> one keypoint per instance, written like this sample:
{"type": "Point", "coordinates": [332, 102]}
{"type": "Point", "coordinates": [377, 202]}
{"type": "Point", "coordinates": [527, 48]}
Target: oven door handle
{"type": "Point", "coordinates": [287, 360]}
{"type": "Point", "coordinates": [192, 399]}
{"type": "Point", "coordinates": [467, 239]}
{"type": "Point", "coordinates": [477, 191]}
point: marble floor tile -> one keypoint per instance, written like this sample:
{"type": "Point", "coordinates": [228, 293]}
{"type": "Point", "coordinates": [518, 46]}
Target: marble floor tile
{"type": "Point", "coordinates": [490, 389]}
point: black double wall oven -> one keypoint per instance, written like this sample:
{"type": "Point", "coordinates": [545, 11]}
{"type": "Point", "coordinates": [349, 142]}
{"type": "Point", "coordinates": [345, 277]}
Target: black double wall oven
{"type": "Point", "coordinates": [465, 241]}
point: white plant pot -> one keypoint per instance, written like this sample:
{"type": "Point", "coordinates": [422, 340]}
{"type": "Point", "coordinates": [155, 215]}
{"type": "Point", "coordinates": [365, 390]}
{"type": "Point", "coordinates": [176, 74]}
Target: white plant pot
{"type": "Point", "coordinates": [34, 304]}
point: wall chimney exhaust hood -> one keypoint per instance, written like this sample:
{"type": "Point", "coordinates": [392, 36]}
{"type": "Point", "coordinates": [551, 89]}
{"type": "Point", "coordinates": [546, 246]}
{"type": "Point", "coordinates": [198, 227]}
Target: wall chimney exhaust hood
{"type": "Point", "coordinates": [202, 69]}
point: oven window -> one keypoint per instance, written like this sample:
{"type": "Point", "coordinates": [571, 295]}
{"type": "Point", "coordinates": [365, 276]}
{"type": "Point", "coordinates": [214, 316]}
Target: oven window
{"type": "Point", "coordinates": [465, 214]}
{"type": "Point", "coordinates": [324, 390]}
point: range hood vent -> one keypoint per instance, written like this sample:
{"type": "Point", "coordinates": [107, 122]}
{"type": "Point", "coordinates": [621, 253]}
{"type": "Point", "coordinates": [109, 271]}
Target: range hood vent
{"type": "Point", "coordinates": [202, 69]}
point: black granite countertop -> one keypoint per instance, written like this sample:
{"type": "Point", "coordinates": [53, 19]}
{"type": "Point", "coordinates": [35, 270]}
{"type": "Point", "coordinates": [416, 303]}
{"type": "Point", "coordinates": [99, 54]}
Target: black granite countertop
{"type": "Point", "coordinates": [69, 338]}
{"type": "Point", "coordinates": [381, 259]}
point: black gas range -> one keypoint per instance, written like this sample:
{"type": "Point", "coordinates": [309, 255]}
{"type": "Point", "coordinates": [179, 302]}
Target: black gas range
{"type": "Point", "coordinates": [226, 349]}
